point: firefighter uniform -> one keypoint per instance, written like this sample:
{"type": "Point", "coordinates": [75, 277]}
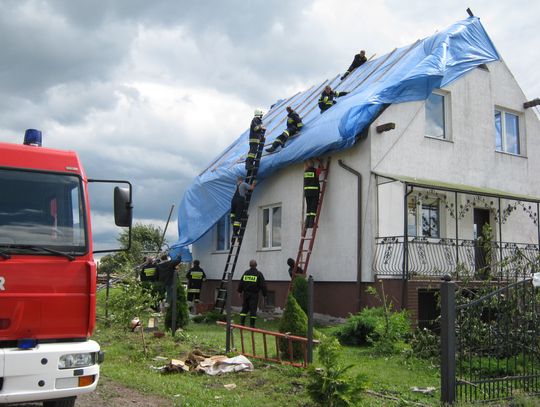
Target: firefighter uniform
{"type": "Point", "coordinates": [294, 125]}
{"type": "Point", "coordinates": [256, 135]}
{"type": "Point", "coordinates": [148, 272]}
{"type": "Point", "coordinates": [251, 283]}
{"type": "Point", "coordinates": [326, 101]}
{"type": "Point", "coordinates": [311, 193]}
{"type": "Point", "coordinates": [195, 277]}
{"type": "Point", "coordinates": [238, 204]}
{"type": "Point", "coordinates": [359, 60]}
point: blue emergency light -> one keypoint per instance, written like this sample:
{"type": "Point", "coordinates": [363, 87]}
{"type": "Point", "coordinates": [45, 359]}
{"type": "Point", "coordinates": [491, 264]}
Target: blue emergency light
{"type": "Point", "coordinates": [32, 137]}
{"type": "Point", "coordinates": [26, 343]}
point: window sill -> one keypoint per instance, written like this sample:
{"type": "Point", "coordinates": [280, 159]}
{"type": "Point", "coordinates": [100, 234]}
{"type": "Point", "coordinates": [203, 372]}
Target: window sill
{"type": "Point", "coordinates": [439, 139]}
{"type": "Point", "coordinates": [269, 249]}
{"type": "Point", "coordinates": [220, 251]}
{"type": "Point", "coordinates": [510, 154]}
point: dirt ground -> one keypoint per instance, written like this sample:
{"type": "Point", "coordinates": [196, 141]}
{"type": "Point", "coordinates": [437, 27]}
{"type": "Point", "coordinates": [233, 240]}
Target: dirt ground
{"type": "Point", "coordinates": [111, 394]}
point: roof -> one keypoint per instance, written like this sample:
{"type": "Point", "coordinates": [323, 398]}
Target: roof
{"type": "Point", "coordinates": [405, 74]}
{"type": "Point", "coordinates": [462, 188]}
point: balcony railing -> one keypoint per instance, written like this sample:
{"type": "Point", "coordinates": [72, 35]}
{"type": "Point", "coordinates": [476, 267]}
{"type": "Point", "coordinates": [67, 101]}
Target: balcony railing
{"type": "Point", "coordinates": [432, 258]}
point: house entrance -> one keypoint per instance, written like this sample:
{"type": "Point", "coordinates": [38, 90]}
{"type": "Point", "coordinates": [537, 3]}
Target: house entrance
{"type": "Point", "coordinates": [480, 219]}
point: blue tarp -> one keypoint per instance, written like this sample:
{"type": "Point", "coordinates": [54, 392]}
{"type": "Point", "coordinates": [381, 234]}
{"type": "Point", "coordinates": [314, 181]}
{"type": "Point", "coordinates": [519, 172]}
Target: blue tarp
{"type": "Point", "coordinates": [403, 75]}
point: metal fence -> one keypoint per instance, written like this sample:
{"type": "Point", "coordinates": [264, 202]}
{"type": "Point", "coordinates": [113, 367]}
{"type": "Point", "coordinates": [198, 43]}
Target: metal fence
{"type": "Point", "coordinates": [490, 346]}
{"type": "Point", "coordinates": [432, 258]}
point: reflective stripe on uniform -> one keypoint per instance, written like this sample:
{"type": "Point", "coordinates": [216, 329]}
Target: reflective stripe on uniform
{"type": "Point", "coordinates": [250, 155]}
{"type": "Point", "coordinates": [254, 140]}
{"type": "Point", "coordinates": [243, 315]}
{"type": "Point", "coordinates": [233, 215]}
{"type": "Point", "coordinates": [311, 213]}
{"type": "Point", "coordinates": [250, 279]}
{"type": "Point", "coordinates": [237, 224]}
{"type": "Point", "coordinates": [149, 272]}
{"type": "Point", "coordinates": [309, 174]}
{"type": "Point", "coordinates": [299, 124]}
{"type": "Point", "coordinates": [311, 187]}
{"type": "Point", "coordinates": [196, 275]}
{"type": "Point", "coordinates": [193, 290]}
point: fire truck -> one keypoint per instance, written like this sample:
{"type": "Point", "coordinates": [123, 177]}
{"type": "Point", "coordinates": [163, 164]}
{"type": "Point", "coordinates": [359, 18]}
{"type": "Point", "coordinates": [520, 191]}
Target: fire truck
{"type": "Point", "coordinates": [48, 274]}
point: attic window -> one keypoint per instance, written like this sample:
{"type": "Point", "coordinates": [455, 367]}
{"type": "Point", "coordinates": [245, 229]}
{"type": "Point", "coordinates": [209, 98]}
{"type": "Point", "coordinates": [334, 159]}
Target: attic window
{"type": "Point", "coordinates": [436, 115]}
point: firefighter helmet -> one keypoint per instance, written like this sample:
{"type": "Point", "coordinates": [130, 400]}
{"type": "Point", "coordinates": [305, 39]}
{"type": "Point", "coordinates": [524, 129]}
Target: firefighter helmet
{"type": "Point", "coordinates": [258, 113]}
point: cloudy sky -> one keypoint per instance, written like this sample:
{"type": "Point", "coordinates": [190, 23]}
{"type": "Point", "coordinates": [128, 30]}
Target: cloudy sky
{"type": "Point", "coordinates": [151, 91]}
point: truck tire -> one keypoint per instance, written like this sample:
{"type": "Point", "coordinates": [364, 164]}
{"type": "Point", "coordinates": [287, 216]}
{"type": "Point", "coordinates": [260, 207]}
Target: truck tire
{"type": "Point", "coordinates": [70, 402]}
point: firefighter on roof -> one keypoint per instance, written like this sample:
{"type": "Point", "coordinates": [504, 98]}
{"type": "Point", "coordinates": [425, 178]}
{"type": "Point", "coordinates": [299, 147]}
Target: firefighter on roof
{"type": "Point", "coordinates": [251, 283]}
{"type": "Point", "coordinates": [326, 101]}
{"type": "Point", "coordinates": [256, 135]}
{"type": "Point", "coordinates": [311, 191]}
{"type": "Point", "coordinates": [359, 60]}
{"type": "Point", "coordinates": [195, 277]}
{"type": "Point", "coordinates": [294, 125]}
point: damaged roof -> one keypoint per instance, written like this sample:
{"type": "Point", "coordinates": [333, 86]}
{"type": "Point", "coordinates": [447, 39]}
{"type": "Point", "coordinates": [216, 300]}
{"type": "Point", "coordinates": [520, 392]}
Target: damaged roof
{"type": "Point", "coordinates": [405, 74]}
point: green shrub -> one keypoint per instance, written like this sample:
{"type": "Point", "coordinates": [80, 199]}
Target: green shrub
{"type": "Point", "coordinates": [300, 292]}
{"type": "Point", "coordinates": [425, 344]}
{"type": "Point", "coordinates": [294, 321]}
{"type": "Point", "coordinates": [359, 327]}
{"type": "Point", "coordinates": [330, 386]}
{"type": "Point", "coordinates": [127, 301]}
{"type": "Point", "coordinates": [182, 311]}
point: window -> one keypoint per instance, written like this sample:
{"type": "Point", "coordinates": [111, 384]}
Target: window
{"type": "Point", "coordinates": [223, 233]}
{"type": "Point", "coordinates": [271, 227]}
{"type": "Point", "coordinates": [507, 132]}
{"type": "Point", "coordinates": [436, 116]}
{"type": "Point", "coordinates": [423, 217]}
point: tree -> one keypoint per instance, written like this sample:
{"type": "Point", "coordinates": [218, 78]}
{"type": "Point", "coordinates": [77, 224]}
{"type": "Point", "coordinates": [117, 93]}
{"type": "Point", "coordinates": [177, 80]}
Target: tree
{"type": "Point", "coordinates": [294, 321]}
{"type": "Point", "coordinates": [300, 292]}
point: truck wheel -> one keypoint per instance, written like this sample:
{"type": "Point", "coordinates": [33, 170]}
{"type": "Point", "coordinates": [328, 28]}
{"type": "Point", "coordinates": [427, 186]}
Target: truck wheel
{"type": "Point", "coordinates": [70, 402]}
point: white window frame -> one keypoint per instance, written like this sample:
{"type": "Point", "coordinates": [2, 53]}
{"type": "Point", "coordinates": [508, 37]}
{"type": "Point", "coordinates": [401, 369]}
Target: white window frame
{"type": "Point", "coordinates": [261, 227]}
{"type": "Point", "coordinates": [447, 116]}
{"type": "Point", "coordinates": [228, 229]}
{"type": "Point", "coordinates": [418, 211]}
{"type": "Point", "coordinates": [521, 132]}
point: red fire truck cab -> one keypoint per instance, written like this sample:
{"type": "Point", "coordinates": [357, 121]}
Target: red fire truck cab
{"type": "Point", "coordinates": [48, 276]}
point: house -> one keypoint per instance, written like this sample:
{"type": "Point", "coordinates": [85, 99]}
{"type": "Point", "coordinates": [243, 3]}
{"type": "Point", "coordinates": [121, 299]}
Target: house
{"type": "Point", "coordinates": [405, 206]}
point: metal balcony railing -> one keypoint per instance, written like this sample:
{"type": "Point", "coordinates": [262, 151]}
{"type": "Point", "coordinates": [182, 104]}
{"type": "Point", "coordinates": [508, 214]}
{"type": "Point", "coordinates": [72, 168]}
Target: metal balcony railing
{"type": "Point", "coordinates": [433, 258]}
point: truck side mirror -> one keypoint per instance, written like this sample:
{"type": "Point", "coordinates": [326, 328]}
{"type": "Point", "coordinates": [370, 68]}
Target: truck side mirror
{"type": "Point", "coordinates": [123, 210]}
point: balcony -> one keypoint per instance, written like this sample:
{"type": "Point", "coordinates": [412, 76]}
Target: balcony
{"type": "Point", "coordinates": [429, 258]}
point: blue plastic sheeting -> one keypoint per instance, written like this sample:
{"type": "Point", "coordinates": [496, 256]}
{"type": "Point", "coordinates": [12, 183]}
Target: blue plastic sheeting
{"type": "Point", "coordinates": [182, 252]}
{"type": "Point", "coordinates": [403, 75]}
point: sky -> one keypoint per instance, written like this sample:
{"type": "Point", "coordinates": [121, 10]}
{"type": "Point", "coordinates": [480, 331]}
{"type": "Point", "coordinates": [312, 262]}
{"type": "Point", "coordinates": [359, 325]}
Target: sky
{"type": "Point", "coordinates": [151, 91]}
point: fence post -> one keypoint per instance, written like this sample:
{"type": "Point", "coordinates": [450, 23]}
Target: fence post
{"type": "Point", "coordinates": [228, 310]}
{"type": "Point", "coordinates": [173, 302]}
{"type": "Point", "coordinates": [448, 341]}
{"type": "Point", "coordinates": [310, 321]}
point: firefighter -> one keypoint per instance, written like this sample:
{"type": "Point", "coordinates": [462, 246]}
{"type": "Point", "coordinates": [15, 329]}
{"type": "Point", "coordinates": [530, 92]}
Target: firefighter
{"type": "Point", "coordinates": [326, 101]}
{"type": "Point", "coordinates": [238, 203]}
{"type": "Point", "coordinates": [165, 270]}
{"type": "Point", "coordinates": [311, 191]}
{"type": "Point", "coordinates": [251, 283]}
{"type": "Point", "coordinates": [148, 270]}
{"type": "Point", "coordinates": [291, 264]}
{"type": "Point", "coordinates": [359, 60]}
{"type": "Point", "coordinates": [195, 277]}
{"type": "Point", "coordinates": [256, 135]}
{"type": "Point", "coordinates": [294, 125]}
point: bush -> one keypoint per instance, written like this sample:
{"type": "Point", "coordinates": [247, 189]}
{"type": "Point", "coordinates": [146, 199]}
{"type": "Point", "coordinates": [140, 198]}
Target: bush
{"type": "Point", "coordinates": [182, 311]}
{"type": "Point", "coordinates": [129, 300]}
{"type": "Point", "coordinates": [293, 321]}
{"type": "Point", "coordinates": [330, 386]}
{"type": "Point", "coordinates": [425, 344]}
{"type": "Point", "coordinates": [300, 292]}
{"type": "Point", "coordinates": [359, 327]}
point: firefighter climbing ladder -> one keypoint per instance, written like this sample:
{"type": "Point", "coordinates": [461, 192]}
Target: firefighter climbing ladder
{"type": "Point", "coordinates": [236, 242]}
{"type": "Point", "coordinates": [307, 240]}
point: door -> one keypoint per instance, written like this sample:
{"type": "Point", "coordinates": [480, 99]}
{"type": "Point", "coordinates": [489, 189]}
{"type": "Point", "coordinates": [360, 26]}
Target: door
{"type": "Point", "coordinates": [480, 219]}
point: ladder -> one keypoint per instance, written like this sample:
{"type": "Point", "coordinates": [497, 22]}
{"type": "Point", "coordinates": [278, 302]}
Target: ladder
{"type": "Point", "coordinates": [307, 240]}
{"type": "Point", "coordinates": [236, 241]}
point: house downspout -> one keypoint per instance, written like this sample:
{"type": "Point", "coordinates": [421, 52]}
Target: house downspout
{"type": "Point", "coordinates": [358, 228]}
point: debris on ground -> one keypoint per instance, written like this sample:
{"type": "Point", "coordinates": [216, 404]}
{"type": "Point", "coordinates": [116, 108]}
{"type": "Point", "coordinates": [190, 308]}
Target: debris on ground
{"type": "Point", "coordinates": [196, 361]}
{"type": "Point", "coordinates": [424, 390]}
{"type": "Point", "coordinates": [230, 386]}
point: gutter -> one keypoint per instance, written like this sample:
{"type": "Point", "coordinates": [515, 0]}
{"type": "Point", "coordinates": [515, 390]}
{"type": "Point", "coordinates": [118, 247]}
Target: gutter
{"type": "Point", "coordinates": [358, 227]}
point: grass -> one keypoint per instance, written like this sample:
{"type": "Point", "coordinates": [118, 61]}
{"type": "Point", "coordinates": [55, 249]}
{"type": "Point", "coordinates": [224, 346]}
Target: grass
{"type": "Point", "coordinates": [269, 384]}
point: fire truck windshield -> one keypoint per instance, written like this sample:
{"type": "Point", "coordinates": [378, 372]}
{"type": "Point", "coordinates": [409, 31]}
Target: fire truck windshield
{"type": "Point", "coordinates": [41, 209]}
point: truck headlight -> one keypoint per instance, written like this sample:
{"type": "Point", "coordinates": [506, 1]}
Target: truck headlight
{"type": "Point", "coordinates": [76, 360]}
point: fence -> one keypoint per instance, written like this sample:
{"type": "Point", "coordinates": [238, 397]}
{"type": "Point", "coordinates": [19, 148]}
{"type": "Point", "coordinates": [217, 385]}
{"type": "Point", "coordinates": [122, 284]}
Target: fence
{"type": "Point", "coordinates": [489, 341]}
